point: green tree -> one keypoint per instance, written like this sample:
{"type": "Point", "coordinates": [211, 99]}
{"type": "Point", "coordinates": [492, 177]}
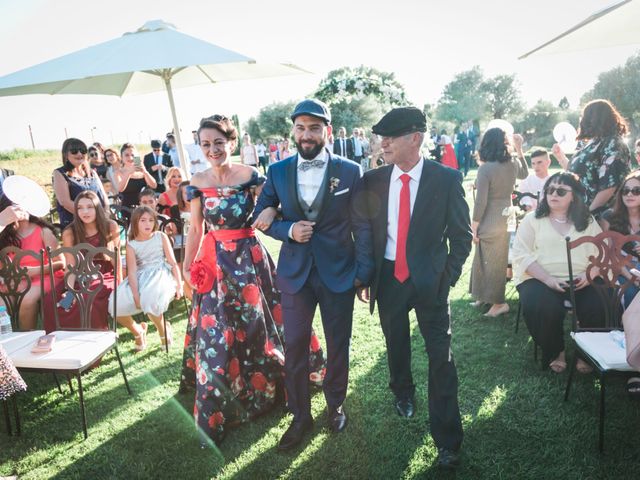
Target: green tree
{"type": "Point", "coordinates": [252, 127]}
{"type": "Point", "coordinates": [272, 121]}
{"type": "Point", "coordinates": [620, 85]}
{"type": "Point", "coordinates": [502, 96]}
{"type": "Point", "coordinates": [463, 98]}
{"type": "Point", "coordinates": [538, 122]}
{"type": "Point", "coordinates": [564, 103]}
{"type": "Point", "coordinates": [358, 97]}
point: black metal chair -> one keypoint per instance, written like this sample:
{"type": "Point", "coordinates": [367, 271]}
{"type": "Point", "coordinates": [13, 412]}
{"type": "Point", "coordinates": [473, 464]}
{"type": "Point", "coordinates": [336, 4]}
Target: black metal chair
{"type": "Point", "coordinates": [78, 348]}
{"type": "Point", "coordinates": [595, 345]}
{"type": "Point", "coordinates": [175, 230]}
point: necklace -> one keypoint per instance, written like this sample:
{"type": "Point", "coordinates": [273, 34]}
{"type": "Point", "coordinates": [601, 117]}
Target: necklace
{"type": "Point", "coordinates": [558, 220]}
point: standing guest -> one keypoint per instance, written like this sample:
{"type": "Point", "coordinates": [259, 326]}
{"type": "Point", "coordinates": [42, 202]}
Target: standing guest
{"type": "Point", "coordinates": [91, 225]}
{"type": "Point", "coordinates": [157, 164]}
{"type": "Point", "coordinates": [319, 262]}
{"type": "Point", "coordinates": [233, 344]}
{"type": "Point", "coordinates": [197, 161]}
{"type": "Point", "coordinates": [366, 149]}
{"type": "Point", "coordinates": [74, 176]}
{"type": "Point", "coordinates": [419, 252]}
{"type": "Point", "coordinates": [494, 186]}
{"type": "Point", "coordinates": [377, 158]}
{"type": "Point", "coordinates": [637, 151]}
{"type": "Point", "coordinates": [115, 164]}
{"type": "Point", "coordinates": [96, 161]}
{"type": "Point", "coordinates": [283, 149]}
{"type": "Point", "coordinates": [248, 152]}
{"type": "Point", "coordinates": [354, 147]}
{"type": "Point", "coordinates": [541, 271]}
{"type": "Point", "coordinates": [449, 156]}
{"type": "Point", "coordinates": [169, 197]}
{"type": "Point", "coordinates": [603, 162]}
{"type": "Point", "coordinates": [436, 153]}
{"type": "Point", "coordinates": [153, 279]}
{"type": "Point", "coordinates": [173, 151]}
{"type": "Point", "coordinates": [534, 183]}
{"type": "Point", "coordinates": [30, 233]}
{"type": "Point", "coordinates": [340, 144]}
{"type": "Point", "coordinates": [263, 156]}
{"type": "Point", "coordinates": [625, 218]}
{"type": "Point", "coordinates": [4, 173]}
{"type": "Point", "coordinates": [132, 177]}
{"type": "Point", "coordinates": [273, 152]}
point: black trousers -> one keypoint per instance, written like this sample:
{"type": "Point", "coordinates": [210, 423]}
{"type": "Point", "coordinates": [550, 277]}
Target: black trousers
{"type": "Point", "coordinates": [395, 300]}
{"type": "Point", "coordinates": [544, 312]}
{"type": "Point", "coordinates": [298, 310]}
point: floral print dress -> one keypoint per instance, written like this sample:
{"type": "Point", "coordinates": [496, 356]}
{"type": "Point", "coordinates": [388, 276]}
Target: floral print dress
{"type": "Point", "coordinates": [234, 351]}
{"type": "Point", "coordinates": [602, 163]}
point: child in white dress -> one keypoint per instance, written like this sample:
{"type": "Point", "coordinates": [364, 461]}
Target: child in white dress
{"type": "Point", "coordinates": [153, 277]}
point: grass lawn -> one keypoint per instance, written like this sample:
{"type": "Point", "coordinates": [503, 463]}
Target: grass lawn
{"type": "Point", "coordinates": [516, 424]}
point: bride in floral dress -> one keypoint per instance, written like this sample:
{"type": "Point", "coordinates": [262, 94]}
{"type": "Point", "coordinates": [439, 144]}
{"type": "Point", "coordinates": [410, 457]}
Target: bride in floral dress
{"type": "Point", "coordinates": [234, 346]}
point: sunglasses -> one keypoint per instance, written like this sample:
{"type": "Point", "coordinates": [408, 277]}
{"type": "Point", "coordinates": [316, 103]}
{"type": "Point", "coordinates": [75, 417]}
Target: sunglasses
{"type": "Point", "coordinates": [560, 191]}
{"type": "Point", "coordinates": [635, 191]}
{"type": "Point", "coordinates": [93, 154]}
{"type": "Point", "coordinates": [74, 151]}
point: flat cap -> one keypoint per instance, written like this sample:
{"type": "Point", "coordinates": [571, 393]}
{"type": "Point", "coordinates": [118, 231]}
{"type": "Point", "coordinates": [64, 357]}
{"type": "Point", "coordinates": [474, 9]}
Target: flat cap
{"type": "Point", "coordinates": [313, 107]}
{"type": "Point", "coordinates": [155, 144]}
{"type": "Point", "coordinates": [401, 121]}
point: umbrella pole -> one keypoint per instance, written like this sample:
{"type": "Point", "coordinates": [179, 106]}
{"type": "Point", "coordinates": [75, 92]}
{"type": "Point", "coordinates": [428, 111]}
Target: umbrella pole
{"type": "Point", "coordinates": [176, 129]}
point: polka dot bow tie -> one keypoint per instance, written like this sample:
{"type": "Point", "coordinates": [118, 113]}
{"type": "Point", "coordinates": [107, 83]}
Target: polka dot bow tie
{"type": "Point", "coordinates": [307, 164]}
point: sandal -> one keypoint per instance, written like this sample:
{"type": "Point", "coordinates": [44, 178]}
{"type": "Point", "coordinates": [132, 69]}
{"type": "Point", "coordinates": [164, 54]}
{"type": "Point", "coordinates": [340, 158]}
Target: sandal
{"type": "Point", "coordinates": [558, 366]}
{"type": "Point", "coordinates": [141, 338]}
{"type": "Point", "coordinates": [583, 367]}
{"type": "Point", "coordinates": [633, 388]}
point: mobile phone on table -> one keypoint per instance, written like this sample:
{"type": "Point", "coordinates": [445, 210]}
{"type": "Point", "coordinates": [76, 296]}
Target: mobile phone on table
{"type": "Point", "coordinates": [44, 343]}
{"type": "Point", "coordinates": [136, 161]}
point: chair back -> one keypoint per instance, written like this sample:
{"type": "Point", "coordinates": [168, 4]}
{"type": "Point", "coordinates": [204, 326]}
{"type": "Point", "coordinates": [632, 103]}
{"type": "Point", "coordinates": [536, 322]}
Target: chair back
{"type": "Point", "coordinates": [15, 280]}
{"type": "Point", "coordinates": [174, 228]}
{"type": "Point", "coordinates": [605, 273]}
{"type": "Point", "coordinates": [85, 280]}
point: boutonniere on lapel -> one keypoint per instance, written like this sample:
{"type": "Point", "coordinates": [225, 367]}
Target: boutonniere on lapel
{"type": "Point", "coordinates": [333, 184]}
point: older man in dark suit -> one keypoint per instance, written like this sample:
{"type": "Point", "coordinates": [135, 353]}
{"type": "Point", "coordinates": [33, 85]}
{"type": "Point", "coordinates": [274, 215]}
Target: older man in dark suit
{"type": "Point", "coordinates": [421, 238]}
{"type": "Point", "coordinates": [157, 164]}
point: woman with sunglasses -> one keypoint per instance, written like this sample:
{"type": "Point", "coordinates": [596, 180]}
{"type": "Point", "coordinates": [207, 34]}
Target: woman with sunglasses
{"type": "Point", "coordinates": [541, 271]}
{"type": "Point", "coordinates": [624, 217]}
{"type": "Point", "coordinates": [494, 186]}
{"type": "Point", "coordinates": [74, 176]}
{"type": "Point", "coordinates": [96, 160]}
{"type": "Point", "coordinates": [603, 161]}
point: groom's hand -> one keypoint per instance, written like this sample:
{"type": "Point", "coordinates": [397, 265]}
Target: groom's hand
{"type": "Point", "coordinates": [302, 231]}
{"type": "Point", "coordinates": [363, 294]}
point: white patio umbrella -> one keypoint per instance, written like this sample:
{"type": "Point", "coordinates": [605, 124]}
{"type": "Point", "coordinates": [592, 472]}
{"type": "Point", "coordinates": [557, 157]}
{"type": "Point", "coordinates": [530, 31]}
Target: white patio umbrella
{"type": "Point", "coordinates": [153, 58]}
{"type": "Point", "coordinates": [617, 24]}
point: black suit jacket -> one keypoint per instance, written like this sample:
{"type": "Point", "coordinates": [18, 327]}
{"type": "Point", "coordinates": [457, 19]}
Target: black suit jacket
{"type": "Point", "coordinates": [336, 147]}
{"type": "Point", "coordinates": [439, 238]}
{"type": "Point", "coordinates": [351, 151]}
{"type": "Point", "coordinates": [149, 162]}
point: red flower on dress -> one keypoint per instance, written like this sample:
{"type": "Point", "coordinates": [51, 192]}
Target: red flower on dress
{"type": "Point", "coordinates": [187, 340]}
{"type": "Point", "coordinates": [229, 245]}
{"type": "Point", "coordinates": [277, 314]}
{"type": "Point", "coordinates": [256, 253]}
{"type": "Point", "coordinates": [241, 336]}
{"type": "Point", "coordinates": [315, 343]}
{"type": "Point", "coordinates": [259, 382]}
{"type": "Point", "coordinates": [191, 364]}
{"type": "Point", "coordinates": [234, 368]}
{"type": "Point", "coordinates": [208, 321]}
{"type": "Point", "coordinates": [228, 337]}
{"type": "Point", "coordinates": [251, 294]}
{"type": "Point", "coordinates": [219, 273]}
{"type": "Point", "coordinates": [216, 419]}
{"type": "Point", "coordinates": [202, 376]}
{"type": "Point", "coordinates": [202, 277]}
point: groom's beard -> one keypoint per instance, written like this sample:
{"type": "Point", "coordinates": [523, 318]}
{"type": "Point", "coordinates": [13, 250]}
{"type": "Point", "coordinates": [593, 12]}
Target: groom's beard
{"type": "Point", "coordinates": [309, 149]}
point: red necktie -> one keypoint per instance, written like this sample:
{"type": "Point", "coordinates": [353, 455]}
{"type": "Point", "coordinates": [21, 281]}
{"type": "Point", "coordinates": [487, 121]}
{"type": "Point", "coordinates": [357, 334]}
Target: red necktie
{"type": "Point", "coordinates": [401, 271]}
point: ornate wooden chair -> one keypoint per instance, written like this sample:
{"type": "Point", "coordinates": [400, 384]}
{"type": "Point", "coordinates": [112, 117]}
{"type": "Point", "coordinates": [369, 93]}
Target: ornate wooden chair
{"type": "Point", "coordinates": [595, 345]}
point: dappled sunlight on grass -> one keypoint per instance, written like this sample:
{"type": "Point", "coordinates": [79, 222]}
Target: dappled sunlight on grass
{"type": "Point", "coordinates": [492, 402]}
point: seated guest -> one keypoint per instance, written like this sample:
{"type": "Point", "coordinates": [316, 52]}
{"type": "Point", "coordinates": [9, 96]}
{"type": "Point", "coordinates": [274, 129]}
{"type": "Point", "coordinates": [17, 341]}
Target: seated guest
{"type": "Point", "coordinates": [169, 197]}
{"type": "Point", "coordinates": [534, 183]}
{"type": "Point", "coordinates": [91, 225]}
{"type": "Point", "coordinates": [157, 164]}
{"type": "Point", "coordinates": [74, 176]}
{"type": "Point", "coordinates": [132, 177]}
{"type": "Point", "coordinates": [625, 218]}
{"type": "Point", "coordinates": [541, 269]}
{"type": "Point", "coordinates": [34, 234]}
{"type": "Point", "coordinates": [96, 161]}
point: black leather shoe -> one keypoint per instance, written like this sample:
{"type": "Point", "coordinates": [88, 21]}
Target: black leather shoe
{"type": "Point", "coordinates": [448, 459]}
{"type": "Point", "coordinates": [294, 434]}
{"type": "Point", "coordinates": [405, 407]}
{"type": "Point", "coordinates": [337, 419]}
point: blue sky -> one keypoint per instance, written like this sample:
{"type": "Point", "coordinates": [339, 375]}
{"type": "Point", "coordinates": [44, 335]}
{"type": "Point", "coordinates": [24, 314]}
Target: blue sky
{"type": "Point", "coordinates": [424, 42]}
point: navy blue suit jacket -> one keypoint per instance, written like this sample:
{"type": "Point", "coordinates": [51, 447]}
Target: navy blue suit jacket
{"type": "Point", "coordinates": [340, 247]}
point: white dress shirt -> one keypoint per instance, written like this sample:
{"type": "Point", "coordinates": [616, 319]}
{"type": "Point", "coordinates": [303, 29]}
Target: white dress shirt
{"type": "Point", "coordinates": [309, 181]}
{"type": "Point", "coordinates": [197, 161]}
{"type": "Point", "coordinates": [531, 184]}
{"type": "Point", "coordinates": [395, 185]}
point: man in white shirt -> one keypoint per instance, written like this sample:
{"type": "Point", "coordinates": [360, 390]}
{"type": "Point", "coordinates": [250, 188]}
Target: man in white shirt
{"type": "Point", "coordinates": [421, 237]}
{"type": "Point", "coordinates": [263, 156]}
{"type": "Point", "coordinates": [534, 183]}
{"type": "Point", "coordinates": [197, 160]}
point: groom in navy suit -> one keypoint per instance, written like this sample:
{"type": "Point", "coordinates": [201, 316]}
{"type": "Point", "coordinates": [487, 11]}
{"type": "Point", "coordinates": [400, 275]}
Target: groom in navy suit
{"type": "Point", "coordinates": [326, 255]}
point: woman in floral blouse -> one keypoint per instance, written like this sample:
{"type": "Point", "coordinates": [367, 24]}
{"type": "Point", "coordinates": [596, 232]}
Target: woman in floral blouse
{"type": "Point", "coordinates": [603, 162]}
